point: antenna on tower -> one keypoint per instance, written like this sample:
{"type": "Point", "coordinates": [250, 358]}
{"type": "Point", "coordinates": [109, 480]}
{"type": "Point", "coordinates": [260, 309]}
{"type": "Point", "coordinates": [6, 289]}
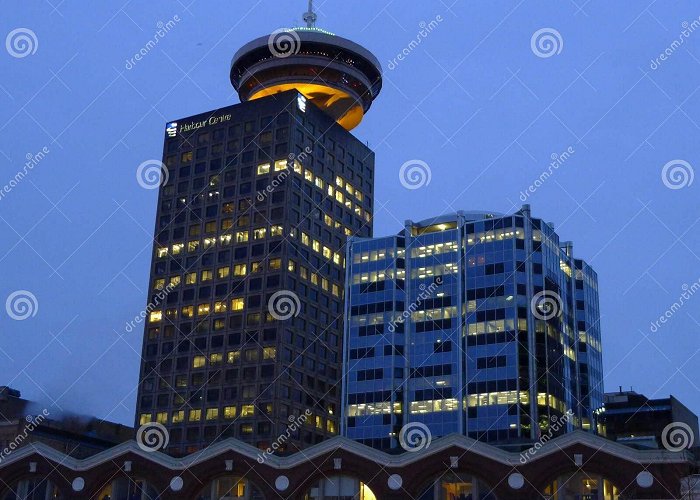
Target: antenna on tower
{"type": "Point", "coordinates": [310, 16]}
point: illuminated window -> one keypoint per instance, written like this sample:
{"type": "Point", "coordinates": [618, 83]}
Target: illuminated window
{"type": "Point", "coordinates": [305, 239]}
{"type": "Point", "coordinates": [246, 428]}
{"type": "Point", "coordinates": [223, 272]}
{"type": "Point", "coordinates": [178, 416]}
{"type": "Point", "coordinates": [162, 252]}
{"type": "Point", "coordinates": [275, 264]}
{"type": "Point", "coordinates": [314, 278]}
{"type": "Point", "coordinates": [269, 352]}
{"type": "Point", "coordinates": [340, 196]}
{"type": "Point", "coordinates": [330, 426]}
{"type": "Point", "coordinates": [209, 242]}
{"type": "Point", "coordinates": [212, 413]}
{"type": "Point", "coordinates": [199, 362]}
{"type": "Point", "coordinates": [186, 157]}
{"type": "Point", "coordinates": [264, 169]}
{"type": "Point", "coordinates": [240, 270]}
{"type": "Point", "coordinates": [174, 281]}
{"type": "Point", "coordinates": [203, 309]}
{"type": "Point", "coordinates": [319, 182]}
{"type": "Point", "coordinates": [159, 284]}
{"type": "Point", "coordinates": [255, 267]}
{"type": "Point", "coordinates": [192, 246]}
{"type": "Point", "coordinates": [188, 311]}
{"type": "Point", "coordinates": [316, 245]}
{"type": "Point", "coordinates": [339, 181]}
{"type": "Point", "coordinates": [233, 356]}
{"type": "Point", "coordinates": [237, 304]}
{"type": "Point", "coordinates": [336, 290]}
{"type": "Point", "coordinates": [247, 410]}
{"type": "Point", "coordinates": [162, 417]}
{"type": "Point", "coordinates": [216, 358]}
{"type": "Point", "coordinates": [280, 165]}
{"type": "Point", "coordinates": [226, 224]}
{"type": "Point", "coordinates": [207, 275]}
{"type": "Point", "coordinates": [178, 248]}
{"type": "Point", "coordinates": [225, 239]}
{"type": "Point", "coordinates": [259, 233]}
{"type": "Point", "coordinates": [297, 167]}
{"type": "Point", "coordinates": [319, 422]}
{"type": "Point", "coordinates": [145, 418]}
{"type": "Point", "coordinates": [195, 415]}
{"type": "Point", "coordinates": [220, 307]}
{"type": "Point", "coordinates": [241, 236]}
{"type": "Point", "coordinates": [155, 316]}
{"type": "Point", "coordinates": [327, 253]}
{"type": "Point", "coordinates": [303, 272]}
{"type": "Point", "coordinates": [291, 266]}
{"type": "Point", "coordinates": [324, 284]}
{"type": "Point", "coordinates": [276, 231]}
{"type": "Point", "coordinates": [308, 175]}
{"type": "Point", "coordinates": [229, 412]}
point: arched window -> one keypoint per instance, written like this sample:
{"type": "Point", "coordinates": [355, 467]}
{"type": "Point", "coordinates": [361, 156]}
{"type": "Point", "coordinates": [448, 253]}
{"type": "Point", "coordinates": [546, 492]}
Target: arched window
{"type": "Point", "coordinates": [230, 488]}
{"type": "Point", "coordinates": [128, 489]}
{"type": "Point", "coordinates": [34, 489]}
{"type": "Point", "coordinates": [339, 488]}
{"type": "Point", "coordinates": [582, 485]}
{"type": "Point", "coordinates": [458, 486]}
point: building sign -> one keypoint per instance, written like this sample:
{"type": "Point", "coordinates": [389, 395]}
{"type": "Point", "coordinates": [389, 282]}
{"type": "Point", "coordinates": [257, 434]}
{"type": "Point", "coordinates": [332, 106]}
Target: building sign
{"type": "Point", "coordinates": [172, 128]}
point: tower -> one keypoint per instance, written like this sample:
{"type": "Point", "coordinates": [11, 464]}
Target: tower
{"type": "Point", "coordinates": [245, 299]}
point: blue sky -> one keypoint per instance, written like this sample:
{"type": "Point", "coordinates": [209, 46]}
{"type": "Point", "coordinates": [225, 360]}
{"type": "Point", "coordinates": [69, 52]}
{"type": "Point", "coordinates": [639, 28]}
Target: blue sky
{"type": "Point", "coordinates": [473, 101]}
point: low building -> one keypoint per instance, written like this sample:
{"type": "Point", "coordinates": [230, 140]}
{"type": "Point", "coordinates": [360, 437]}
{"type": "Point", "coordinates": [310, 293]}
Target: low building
{"type": "Point", "coordinates": [24, 422]}
{"type": "Point", "coordinates": [578, 465]}
{"type": "Point", "coordinates": [638, 421]}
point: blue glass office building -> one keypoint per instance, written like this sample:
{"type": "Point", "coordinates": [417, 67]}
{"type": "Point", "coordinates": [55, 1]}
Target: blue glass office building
{"type": "Point", "coordinates": [472, 323]}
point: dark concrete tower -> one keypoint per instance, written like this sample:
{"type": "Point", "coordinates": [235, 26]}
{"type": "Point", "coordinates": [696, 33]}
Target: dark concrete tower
{"type": "Point", "coordinates": [246, 292]}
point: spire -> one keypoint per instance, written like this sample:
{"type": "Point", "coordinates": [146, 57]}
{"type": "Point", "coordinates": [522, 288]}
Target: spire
{"type": "Point", "coordinates": [310, 16]}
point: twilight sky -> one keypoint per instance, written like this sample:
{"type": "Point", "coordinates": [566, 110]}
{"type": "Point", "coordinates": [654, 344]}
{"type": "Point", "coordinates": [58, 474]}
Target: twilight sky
{"type": "Point", "coordinates": [474, 100]}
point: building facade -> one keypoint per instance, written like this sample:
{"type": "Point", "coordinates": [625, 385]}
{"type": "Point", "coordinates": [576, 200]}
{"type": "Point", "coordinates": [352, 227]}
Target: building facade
{"type": "Point", "coordinates": [253, 219]}
{"type": "Point", "coordinates": [635, 420]}
{"type": "Point", "coordinates": [473, 323]}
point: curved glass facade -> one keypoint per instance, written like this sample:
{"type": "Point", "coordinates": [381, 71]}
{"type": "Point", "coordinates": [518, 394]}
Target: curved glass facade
{"type": "Point", "coordinates": [485, 326]}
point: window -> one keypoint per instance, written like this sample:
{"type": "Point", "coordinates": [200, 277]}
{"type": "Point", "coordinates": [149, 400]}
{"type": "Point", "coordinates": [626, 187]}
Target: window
{"type": "Point", "coordinates": [229, 412]}
{"type": "Point", "coordinates": [223, 272]}
{"type": "Point", "coordinates": [145, 418]}
{"type": "Point", "coordinates": [264, 169]}
{"type": "Point", "coordinates": [276, 231]}
{"type": "Point", "coordinates": [260, 233]}
{"type": "Point", "coordinates": [207, 275]}
{"type": "Point", "coordinates": [203, 309]}
{"type": "Point", "coordinates": [247, 410]}
{"type": "Point", "coordinates": [275, 264]}
{"type": "Point", "coordinates": [156, 316]}
{"type": "Point", "coordinates": [220, 307]}
{"type": "Point", "coordinates": [188, 311]}
{"type": "Point", "coordinates": [190, 278]}
{"type": "Point", "coordinates": [212, 413]}
{"type": "Point", "coordinates": [199, 362]}
{"type": "Point", "coordinates": [241, 236]}
{"type": "Point", "coordinates": [216, 358]}
{"type": "Point", "coordinates": [178, 416]}
{"type": "Point", "coordinates": [237, 304]}
{"type": "Point", "coordinates": [233, 356]}
{"type": "Point", "coordinates": [240, 270]}
{"type": "Point", "coordinates": [269, 352]}
{"type": "Point", "coordinates": [251, 355]}
{"type": "Point", "coordinates": [195, 415]}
